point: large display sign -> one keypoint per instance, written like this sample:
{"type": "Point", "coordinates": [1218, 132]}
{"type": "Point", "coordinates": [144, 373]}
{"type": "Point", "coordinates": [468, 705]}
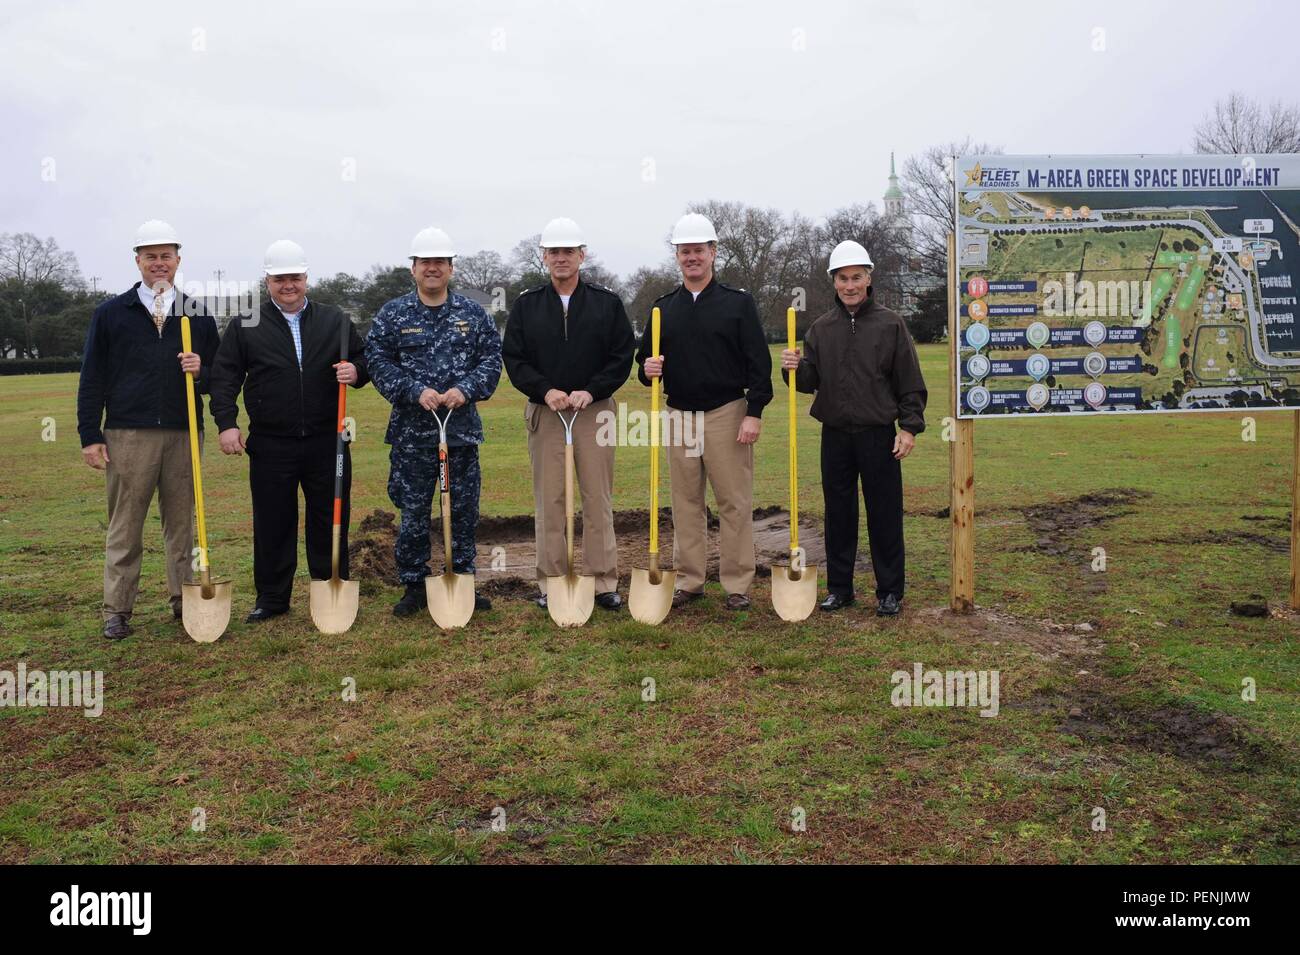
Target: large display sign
{"type": "Point", "coordinates": [1103, 284]}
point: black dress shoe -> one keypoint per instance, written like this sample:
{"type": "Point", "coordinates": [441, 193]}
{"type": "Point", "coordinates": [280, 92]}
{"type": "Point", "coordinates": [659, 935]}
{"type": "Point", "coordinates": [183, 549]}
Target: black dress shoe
{"type": "Point", "coordinates": [176, 609]}
{"type": "Point", "coordinates": [414, 600]}
{"type": "Point", "coordinates": [835, 602]}
{"type": "Point", "coordinates": [888, 607]}
{"type": "Point", "coordinates": [259, 614]}
{"type": "Point", "coordinates": [736, 602]}
{"type": "Point", "coordinates": [610, 600]}
{"type": "Point", "coordinates": [481, 602]}
{"type": "Point", "coordinates": [682, 597]}
{"type": "Point", "coordinates": [540, 600]}
{"type": "Point", "coordinates": [116, 627]}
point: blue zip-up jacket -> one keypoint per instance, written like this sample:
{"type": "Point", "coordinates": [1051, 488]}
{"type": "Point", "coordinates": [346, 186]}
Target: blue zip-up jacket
{"type": "Point", "coordinates": [130, 375]}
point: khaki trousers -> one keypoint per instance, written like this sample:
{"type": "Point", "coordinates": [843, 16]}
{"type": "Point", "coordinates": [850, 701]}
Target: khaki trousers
{"type": "Point", "coordinates": [141, 461]}
{"type": "Point", "coordinates": [594, 466]}
{"type": "Point", "coordinates": [728, 466]}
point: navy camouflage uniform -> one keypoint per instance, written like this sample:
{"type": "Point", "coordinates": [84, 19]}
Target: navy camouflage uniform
{"type": "Point", "coordinates": [412, 347]}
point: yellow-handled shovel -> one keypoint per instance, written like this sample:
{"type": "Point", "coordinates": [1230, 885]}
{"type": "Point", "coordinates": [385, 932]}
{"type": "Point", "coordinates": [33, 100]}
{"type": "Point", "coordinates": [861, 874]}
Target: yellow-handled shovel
{"type": "Point", "coordinates": [794, 585]}
{"type": "Point", "coordinates": [205, 605]}
{"type": "Point", "coordinates": [651, 595]}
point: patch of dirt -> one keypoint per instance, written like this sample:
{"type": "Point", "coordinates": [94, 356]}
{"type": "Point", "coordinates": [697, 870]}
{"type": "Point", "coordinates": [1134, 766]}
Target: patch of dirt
{"type": "Point", "coordinates": [1048, 639]}
{"type": "Point", "coordinates": [1280, 544]}
{"type": "Point", "coordinates": [1180, 729]}
{"type": "Point", "coordinates": [1059, 525]}
{"type": "Point", "coordinates": [1064, 529]}
{"type": "Point", "coordinates": [507, 564]}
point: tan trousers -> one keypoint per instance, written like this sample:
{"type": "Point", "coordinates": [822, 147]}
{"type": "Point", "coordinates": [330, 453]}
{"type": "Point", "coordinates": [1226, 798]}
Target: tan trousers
{"type": "Point", "coordinates": [141, 461]}
{"type": "Point", "coordinates": [728, 466]}
{"type": "Point", "coordinates": [594, 466]}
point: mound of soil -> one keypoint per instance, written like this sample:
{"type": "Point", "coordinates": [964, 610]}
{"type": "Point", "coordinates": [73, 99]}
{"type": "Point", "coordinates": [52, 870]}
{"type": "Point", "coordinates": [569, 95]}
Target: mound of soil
{"type": "Point", "coordinates": [507, 557]}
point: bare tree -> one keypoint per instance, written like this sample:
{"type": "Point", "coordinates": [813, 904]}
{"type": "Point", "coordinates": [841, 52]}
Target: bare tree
{"type": "Point", "coordinates": [644, 286]}
{"type": "Point", "coordinates": [36, 279]}
{"type": "Point", "coordinates": [594, 271]}
{"type": "Point", "coordinates": [484, 270]}
{"type": "Point", "coordinates": [27, 260]}
{"type": "Point", "coordinates": [886, 239]}
{"type": "Point", "coordinates": [1239, 125]}
{"type": "Point", "coordinates": [760, 251]}
{"type": "Point", "coordinates": [928, 185]}
{"type": "Point", "coordinates": [526, 256]}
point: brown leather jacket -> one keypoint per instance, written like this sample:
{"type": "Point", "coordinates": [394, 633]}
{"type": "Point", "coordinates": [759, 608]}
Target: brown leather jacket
{"type": "Point", "coordinates": [863, 370]}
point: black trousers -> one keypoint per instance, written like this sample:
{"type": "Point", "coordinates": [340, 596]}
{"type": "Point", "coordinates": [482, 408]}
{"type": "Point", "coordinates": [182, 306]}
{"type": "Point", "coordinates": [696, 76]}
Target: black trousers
{"type": "Point", "coordinates": [867, 457]}
{"type": "Point", "coordinates": [277, 468]}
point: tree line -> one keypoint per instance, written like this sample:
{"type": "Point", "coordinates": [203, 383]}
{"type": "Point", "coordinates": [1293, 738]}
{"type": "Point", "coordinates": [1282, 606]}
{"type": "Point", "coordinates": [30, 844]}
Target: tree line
{"type": "Point", "coordinates": [45, 302]}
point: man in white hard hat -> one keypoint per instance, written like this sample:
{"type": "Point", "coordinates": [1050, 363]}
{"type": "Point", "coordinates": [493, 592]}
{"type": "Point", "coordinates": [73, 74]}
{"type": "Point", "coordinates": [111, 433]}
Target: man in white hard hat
{"type": "Point", "coordinates": [859, 361]}
{"type": "Point", "coordinates": [132, 419]}
{"type": "Point", "coordinates": [286, 362]}
{"type": "Point", "coordinates": [568, 346]}
{"type": "Point", "coordinates": [715, 366]}
{"type": "Point", "coordinates": [433, 349]}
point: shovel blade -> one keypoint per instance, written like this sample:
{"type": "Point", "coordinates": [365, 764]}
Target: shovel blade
{"type": "Point", "coordinates": [794, 593]}
{"type": "Point", "coordinates": [334, 604]}
{"type": "Point", "coordinates": [570, 599]}
{"type": "Point", "coordinates": [451, 599]}
{"type": "Point", "coordinates": [647, 601]}
{"type": "Point", "coordinates": [206, 618]}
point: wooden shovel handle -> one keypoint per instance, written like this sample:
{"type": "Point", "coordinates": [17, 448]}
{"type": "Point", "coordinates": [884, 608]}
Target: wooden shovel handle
{"type": "Point", "coordinates": [568, 502]}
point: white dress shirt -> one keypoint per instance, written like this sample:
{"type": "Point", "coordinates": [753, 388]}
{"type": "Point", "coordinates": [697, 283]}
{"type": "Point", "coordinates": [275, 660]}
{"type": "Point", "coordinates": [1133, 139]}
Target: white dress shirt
{"type": "Point", "coordinates": [295, 327]}
{"type": "Point", "coordinates": [147, 297]}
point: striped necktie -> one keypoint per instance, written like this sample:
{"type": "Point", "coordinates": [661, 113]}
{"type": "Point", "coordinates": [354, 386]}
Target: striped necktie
{"type": "Point", "coordinates": [158, 317]}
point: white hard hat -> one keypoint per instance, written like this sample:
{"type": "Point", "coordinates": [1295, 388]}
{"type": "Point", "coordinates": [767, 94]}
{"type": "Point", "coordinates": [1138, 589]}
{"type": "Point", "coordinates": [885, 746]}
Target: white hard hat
{"type": "Point", "coordinates": [155, 232]}
{"type": "Point", "coordinates": [848, 253]}
{"type": "Point", "coordinates": [562, 234]}
{"type": "Point", "coordinates": [284, 257]}
{"type": "Point", "coordinates": [432, 243]}
{"type": "Point", "coordinates": [693, 227]}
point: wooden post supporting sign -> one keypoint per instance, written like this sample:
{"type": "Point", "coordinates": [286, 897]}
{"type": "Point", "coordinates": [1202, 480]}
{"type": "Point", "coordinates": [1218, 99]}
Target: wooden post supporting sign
{"type": "Point", "coordinates": [961, 465]}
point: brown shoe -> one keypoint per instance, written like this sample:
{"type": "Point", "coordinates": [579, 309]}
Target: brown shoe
{"type": "Point", "coordinates": [682, 597]}
{"type": "Point", "coordinates": [736, 602]}
{"type": "Point", "coordinates": [116, 627]}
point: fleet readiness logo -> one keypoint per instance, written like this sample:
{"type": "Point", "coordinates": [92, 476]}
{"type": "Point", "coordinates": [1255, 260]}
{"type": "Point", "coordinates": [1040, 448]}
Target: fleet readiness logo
{"type": "Point", "coordinates": [997, 177]}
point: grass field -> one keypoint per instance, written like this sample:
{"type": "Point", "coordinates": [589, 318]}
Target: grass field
{"type": "Point", "coordinates": [754, 721]}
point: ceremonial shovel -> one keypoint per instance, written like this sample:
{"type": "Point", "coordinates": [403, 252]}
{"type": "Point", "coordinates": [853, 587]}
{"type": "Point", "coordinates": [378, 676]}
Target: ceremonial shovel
{"type": "Point", "coordinates": [794, 585]}
{"type": "Point", "coordinates": [651, 595]}
{"type": "Point", "coordinates": [451, 596]}
{"type": "Point", "coordinates": [570, 599]}
{"type": "Point", "coordinates": [205, 606]}
{"type": "Point", "coordinates": [334, 601]}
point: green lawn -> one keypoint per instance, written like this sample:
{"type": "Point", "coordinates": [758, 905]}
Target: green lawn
{"type": "Point", "coordinates": [753, 721]}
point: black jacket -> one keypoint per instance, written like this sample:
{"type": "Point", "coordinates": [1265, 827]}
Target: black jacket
{"type": "Point", "coordinates": [863, 369]}
{"type": "Point", "coordinates": [713, 349]}
{"type": "Point", "coordinates": [590, 349]}
{"type": "Point", "coordinates": [131, 373]}
{"type": "Point", "coordinates": [281, 399]}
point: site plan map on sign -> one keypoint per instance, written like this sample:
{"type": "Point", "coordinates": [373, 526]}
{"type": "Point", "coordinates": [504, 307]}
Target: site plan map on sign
{"type": "Point", "coordinates": [1101, 284]}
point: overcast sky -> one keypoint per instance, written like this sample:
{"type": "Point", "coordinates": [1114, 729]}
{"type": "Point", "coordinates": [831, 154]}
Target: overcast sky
{"type": "Point", "coordinates": [239, 122]}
